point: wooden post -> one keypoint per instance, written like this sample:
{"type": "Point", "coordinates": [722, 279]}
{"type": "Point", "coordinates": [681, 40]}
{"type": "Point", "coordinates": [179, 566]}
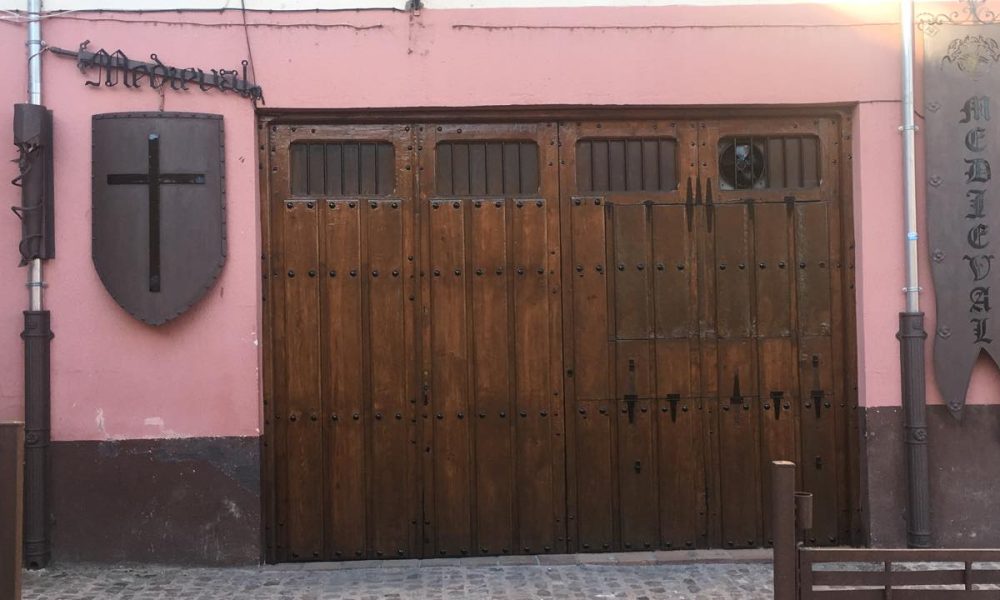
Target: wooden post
{"type": "Point", "coordinates": [11, 508]}
{"type": "Point", "coordinates": [783, 529]}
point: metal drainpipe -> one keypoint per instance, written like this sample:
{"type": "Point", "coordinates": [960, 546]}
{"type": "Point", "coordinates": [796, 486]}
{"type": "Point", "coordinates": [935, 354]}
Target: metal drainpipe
{"type": "Point", "coordinates": [37, 336]}
{"type": "Point", "coordinates": [911, 322]}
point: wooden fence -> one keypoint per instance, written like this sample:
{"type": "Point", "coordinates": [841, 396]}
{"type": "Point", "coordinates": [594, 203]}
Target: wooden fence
{"type": "Point", "coordinates": [802, 573]}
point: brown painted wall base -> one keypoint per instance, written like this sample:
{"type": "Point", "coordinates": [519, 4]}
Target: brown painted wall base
{"type": "Point", "coordinates": [171, 501]}
{"type": "Point", "coordinates": [964, 477]}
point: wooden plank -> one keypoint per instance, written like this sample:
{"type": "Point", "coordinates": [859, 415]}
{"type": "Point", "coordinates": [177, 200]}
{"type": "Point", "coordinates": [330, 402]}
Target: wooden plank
{"type": "Point", "coordinates": [632, 273]}
{"type": "Point", "coordinates": [896, 555]}
{"type": "Point", "coordinates": [477, 169]}
{"type": "Point", "coordinates": [443, 185]}
{"type": "Point", "coordinates": [386, 177]}
{"type": "Point", "coordinates": [777, 384]}
{"type": "Point", "coordinates": [904, 594]}
{"type": "Point", "coordinates": [778, 403]}
{"type": "Point", "coordinates": [460, 169]}
{"type": "Point", "coordinates": [637, 465]}
{"type": "Point", "coordinates": [650, 152]}
{"type": "Point", "coordinates": [11, 508]}
{"type": "Point", "coordinates": [346, 466]}
{"type": "Point", "coordinates": [334, 170]}
{"type": "Point", "coordinates": [368, 170]}
{"type": "Point", "coordinates": [668, 165]}
{"type": "Point", "coordinates": [633, 165]}
{"type": "Point", "coordinates": [917, 576]}
{"type": "Point", "coordinates": [529, 168]}
{"type": "Point", "coordinates": [317, 170]}
{"type": "Point", "coordinates": [584, 175]}
{"type": "Point", "coordinates": [599, 166]}
{"type": "Point", "coordinates": [491, 363]}
{"type": "Point", "coordinates": [674, 279]}
{"type": "Point", "coordinates": [812, 249]}
{"type": "Point", "coordinates": [810, 161]}
{"type": "Point", "coordinates": [351, 154]}
{"type": "Point", "coordinates": [775, 150]}
{"type": "Point", "coordinates": [389, 315]}
{"type": "Point", "coordinates": [511, 168]}
{"type": "Point", "coordinates": [590, 375]}
{"type": "Point", "coordinates": [793, 162]}
{"type": "Point", "coordinates": [819, 436]}
{"type": "Point", "coordinates": [738, 425]}
{"type": "Point", "coordinates": [302, 433]}
{"type": "Point", "coordinates": [299, 167]}
{"type": "Point", "coordinates": [616, 166]}
{"type": "Point", "coordinates": [534, 429]}
{"type": "Point", "coordinates": [494, 169]}
{"type": "Point", "coordinates": [773, 270]}
{"type": "Point", "coordinates": [681, 462]}
{"type": "Point", "coordinates": [739, 451]}
{"type": "Point", "coordinates": [449, 382]}
{"type": "Point", "coordinates": [270, 202]}
{"type": "Point", "coordinates": [731, 273]}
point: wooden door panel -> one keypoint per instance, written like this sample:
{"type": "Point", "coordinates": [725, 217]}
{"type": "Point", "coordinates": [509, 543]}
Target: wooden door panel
{"type": "Point", "coordinates": [637, 468]}
{"type": "Point", "coordinates": [391, 412]}
{"type": "Point", "coordinates": [346, 423]}
{"type": "Point", "coordinates": [774, 288]}
{"type": "Point", "coordinates": [774, 291]}
{"type": "Point", "coordinates": [681, 474]}
{"type": "Point", "coordinates": [449, 385]}
{"type": "Point", "coordinates": [300, 430]}
{"type": "Point", "coordinates": [813, 269]}
{"type": "Point", "coordinates": [632, 315]}
{"type": "Point", "coordinates": [819, 436]}
{"type": "Point", "coordinates": [732, 239]}
{"type": "Point", "coordinates": [777, 394]}
{"type": "Point", "coordinates": [589, 375]}
{"type": "Point", "coordinates": [675, 290]}
{"type": "Point", "coordinates": [596, 512]}
{"type": "Point", "coordinates": [426, 282]}
{"type": "Point", "coordinates": [492, 363]}
{"type": "Point", "coordinates": [738, 432]}
{"type": "Point", "coordinates": [537, 489]}
{"type": "Point", "coordinates": [503, 314]}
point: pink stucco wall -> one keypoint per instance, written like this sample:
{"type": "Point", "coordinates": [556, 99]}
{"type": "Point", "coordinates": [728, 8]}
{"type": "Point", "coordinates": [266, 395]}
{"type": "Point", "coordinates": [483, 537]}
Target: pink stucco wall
{"type": "Point", "coordinates": [116, 378]}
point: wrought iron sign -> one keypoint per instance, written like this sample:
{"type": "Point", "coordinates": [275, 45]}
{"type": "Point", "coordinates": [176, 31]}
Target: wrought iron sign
{"type": "Point", "coordinates": [115, 68]}
{"type": "Point", "coordinates": [962, 80]}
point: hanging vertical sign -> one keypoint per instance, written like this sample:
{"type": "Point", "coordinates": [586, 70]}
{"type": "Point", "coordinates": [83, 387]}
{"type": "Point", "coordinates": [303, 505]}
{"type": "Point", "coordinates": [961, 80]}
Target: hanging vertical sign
{"type": "Point", "coordinates": [962, 101]}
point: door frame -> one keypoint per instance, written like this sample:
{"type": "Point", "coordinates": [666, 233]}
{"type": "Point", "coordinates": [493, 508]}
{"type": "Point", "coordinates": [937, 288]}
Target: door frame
{"type": "Point", "coordinates": [266, 119]}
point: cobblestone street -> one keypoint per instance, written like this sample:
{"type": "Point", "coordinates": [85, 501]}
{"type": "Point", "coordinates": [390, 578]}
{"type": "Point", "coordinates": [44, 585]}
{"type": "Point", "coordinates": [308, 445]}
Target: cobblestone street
{"type": "Point", "coordinates": [642, 575]}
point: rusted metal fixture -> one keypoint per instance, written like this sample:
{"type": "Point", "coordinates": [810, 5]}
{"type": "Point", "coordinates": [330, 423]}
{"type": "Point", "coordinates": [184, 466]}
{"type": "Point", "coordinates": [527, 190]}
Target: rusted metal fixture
{"type": "Point", "coordinates": [911, 333]}
{"type": "Point", "coordinates": [115, 67]}
{"type": "Point", "coordinates": [33, 135]}
{"type": "Point", "coordinates": [37, 336]}
{"type": "Point", "coordinates": [11, 508]}
{"type": "Point", "coordinates": [33, 138]}
{"type": "Point", "coordinates": [911, 340]}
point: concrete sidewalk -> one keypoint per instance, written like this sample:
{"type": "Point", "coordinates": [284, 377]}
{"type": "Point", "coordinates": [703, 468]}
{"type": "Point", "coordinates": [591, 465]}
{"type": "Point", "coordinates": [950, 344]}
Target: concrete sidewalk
{"type": "Point", "coordinates": [638, 575]}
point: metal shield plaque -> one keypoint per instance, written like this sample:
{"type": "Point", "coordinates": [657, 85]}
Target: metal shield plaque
{"type": "Point", "coordinates": [962, 92]}
{"type": "Point", "coordinates": [159, 227]}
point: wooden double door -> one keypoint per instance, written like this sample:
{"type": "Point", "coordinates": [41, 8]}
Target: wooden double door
{"type": "Point", "coordinates": [488, 339]}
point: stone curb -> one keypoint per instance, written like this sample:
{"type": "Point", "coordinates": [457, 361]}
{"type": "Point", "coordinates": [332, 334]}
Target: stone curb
{"type": "Point", "coordinates": [675, 557]}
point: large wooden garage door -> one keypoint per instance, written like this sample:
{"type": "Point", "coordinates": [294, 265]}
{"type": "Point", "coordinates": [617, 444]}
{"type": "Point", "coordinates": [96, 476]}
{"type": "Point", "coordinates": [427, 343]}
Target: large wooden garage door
{"type": "Point", "coordinates": [705, 331]}
{"type": "Point", "coordinates": [541, 338]}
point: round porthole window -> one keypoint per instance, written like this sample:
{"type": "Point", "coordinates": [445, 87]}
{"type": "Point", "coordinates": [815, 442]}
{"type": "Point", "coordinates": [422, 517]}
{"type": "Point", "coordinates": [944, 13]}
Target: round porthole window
{"type": "Point", "coordinates": [741, 166]}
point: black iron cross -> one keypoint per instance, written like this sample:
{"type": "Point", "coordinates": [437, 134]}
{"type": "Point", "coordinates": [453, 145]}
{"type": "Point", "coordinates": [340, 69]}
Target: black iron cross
{"type": "Point", "coordinates": [154, 179]}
